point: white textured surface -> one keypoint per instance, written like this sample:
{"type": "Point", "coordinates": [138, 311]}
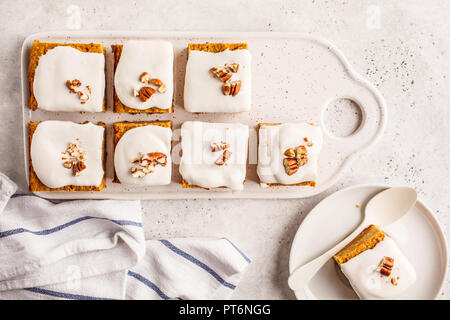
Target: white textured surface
{"type": "Point", "coordinates": [402, 47]}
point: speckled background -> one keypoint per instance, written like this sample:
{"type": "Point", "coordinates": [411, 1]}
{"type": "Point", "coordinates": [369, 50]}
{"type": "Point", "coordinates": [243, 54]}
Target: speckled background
{"type": "Point", "coordinates": [403, 47]}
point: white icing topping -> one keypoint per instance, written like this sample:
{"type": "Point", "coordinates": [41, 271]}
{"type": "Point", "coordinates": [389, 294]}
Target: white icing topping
{"type": "Point", "coordinates": [197, 164]}
{"type": "Point", "coordinates": [275, 140]}
{"type": "Point", "coordinates": [367, 281]}
{"type": "Point", "coordinates": [154, 57]}
{"type": "Point", "coordinates": [51, 139]}
{"type": "Point", "coordinates": [203, 90]}
{"type": "Point", "coordinates": [64, 63]}
{"type": "Point", "coordinates": [146, 139]}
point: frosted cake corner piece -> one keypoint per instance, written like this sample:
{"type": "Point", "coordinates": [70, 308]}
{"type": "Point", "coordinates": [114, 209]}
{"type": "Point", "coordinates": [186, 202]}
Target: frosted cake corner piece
{"type": "Point", "coordinates": [67, 77]}
{"type": "Point", "coordinates": [214, 155]}
{"type": "Point", "coordinates": [218, 78]}
{"type": "Point", "coordinates": [288, 154]}
{"type": "Point", "coordinates": [375, 266]}
{"type": "Point", "coordinates": [66, 156]}
{"type": "Point", "coordinates": [143, 76]}
{"type": "Point", "coordinates": [142, 153]}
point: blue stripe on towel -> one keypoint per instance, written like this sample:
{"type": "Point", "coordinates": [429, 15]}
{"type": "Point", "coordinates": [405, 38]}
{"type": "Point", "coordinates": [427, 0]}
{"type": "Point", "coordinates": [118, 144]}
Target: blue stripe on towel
{"type": "Point", "coordinates": [240, 252]}
{"type": "Point", "coordinates": [64, 295]}
{"type": "Point", "coordinates": [65, 225]}
{"type": "Point", "coordinates": [187, 256]}
{"type": "Point", "coordinates": [148, 283]}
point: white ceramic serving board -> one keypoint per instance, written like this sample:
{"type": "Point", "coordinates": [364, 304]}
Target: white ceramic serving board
{"type": "Point", "coordinates": [295, 77]}
{"type": "Point", "coordinates": [418, 234]}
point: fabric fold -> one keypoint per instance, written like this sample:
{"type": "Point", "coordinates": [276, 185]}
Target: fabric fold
{"type": "Point", "coordinates": [96, 250]}
{"type": "Point", "coordinates": [187, 268]}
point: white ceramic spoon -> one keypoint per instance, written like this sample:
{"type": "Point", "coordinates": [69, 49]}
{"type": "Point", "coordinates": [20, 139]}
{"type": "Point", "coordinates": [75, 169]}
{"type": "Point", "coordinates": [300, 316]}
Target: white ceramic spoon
{"type": "Point", "coordinates": [383, 209]}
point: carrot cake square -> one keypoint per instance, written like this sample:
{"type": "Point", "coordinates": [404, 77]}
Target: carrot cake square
{"type": "Point", "coordinates": [218, 78]}
{"type": "Point", "coordinates": [143, 76]}
{"type": "Point", "coordinates": [142, 153]}
{"type": "Point", "coordinates": [288, 154]}
{"type": "Point", "coordinates": [375, 266]}
{"type": "Point", "coordinates": [66, 156]}
{"type": "Point", "coordinates": [214, 154]}
{"type": "Point", "coordinates": [67, 77]}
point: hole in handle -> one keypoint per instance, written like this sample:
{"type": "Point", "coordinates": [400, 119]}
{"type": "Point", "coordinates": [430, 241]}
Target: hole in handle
{"type": "Point", "coordinates": [342, 117]}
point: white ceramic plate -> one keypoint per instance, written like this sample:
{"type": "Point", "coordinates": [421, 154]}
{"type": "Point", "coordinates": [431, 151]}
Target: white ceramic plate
{"type": "Point", "coordinates": [294, 78]}
{"type": "Point", "coordinates": [418, 234]}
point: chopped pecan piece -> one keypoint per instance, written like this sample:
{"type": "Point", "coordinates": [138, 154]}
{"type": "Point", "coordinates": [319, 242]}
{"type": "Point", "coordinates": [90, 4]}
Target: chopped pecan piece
{"type": "Point", "coordinates": [75, 83]}
{"type": "Point", "coordinates": [299, 151]}
{"type": "Point", "coordinates": [147, 163]}
{"type": "Point", "coordinates": [68, 164]}
{"type": "Point", "coordinates": [215, 147]}
{"type": "Point", "coordinates": [222, 73]}
{"type": "Point", "coordinates": [290, 165]}
{"type": "Point", "coordinates": [144, 78]}
{"type": "Point", "coordinates": [74, 157]}
{"type": "Point", "coordinates": [78, 168]}
{"type": "Point", "coordinates": [82, 96]}
{"type": "Point", "coordinates": [161, 86]}
{"type": "Point", "coordinates": [226, 155]}
{"type": "Point", "coordinates": [226, 88]}
{"type": "Point", "coordinates": [145, 93]}
{"type": "Point", "coordinates": [157, 82]}
{"type": "Point", "coordinates": [220, 161]}
{"type": "Point", "coordinates": [157, 157]}
{"type": "Point", "coordinates": [219, 146]}
{"type": "Point", "coordinates": [137, 173]}
{"type": "Point", "coordinates": [231, 88]}
{"type": "Point", "coordinates": [290, 153]}
{"type": "Point", "coordinates": [303, 160]}
{"type": "Point", "coordinates": [149, 169]}
{"type": "Point", "coordinates": [233, 67]}
{"type": "Point", "coordinates": [235, 87]}
{"type": "Point", "coordinates": [386, 266]}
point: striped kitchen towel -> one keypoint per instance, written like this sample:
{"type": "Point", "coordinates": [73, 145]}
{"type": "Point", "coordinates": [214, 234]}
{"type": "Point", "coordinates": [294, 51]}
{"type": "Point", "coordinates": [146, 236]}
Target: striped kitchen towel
{"type": "Point", "coordinates": [95, 249]}
{"type": "Point", "coordinates": [187, 268]}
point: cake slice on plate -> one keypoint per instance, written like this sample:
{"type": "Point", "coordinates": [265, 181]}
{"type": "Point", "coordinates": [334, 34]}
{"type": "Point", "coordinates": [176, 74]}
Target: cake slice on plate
{"type": "Point", "coordinates": [375, 266]}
